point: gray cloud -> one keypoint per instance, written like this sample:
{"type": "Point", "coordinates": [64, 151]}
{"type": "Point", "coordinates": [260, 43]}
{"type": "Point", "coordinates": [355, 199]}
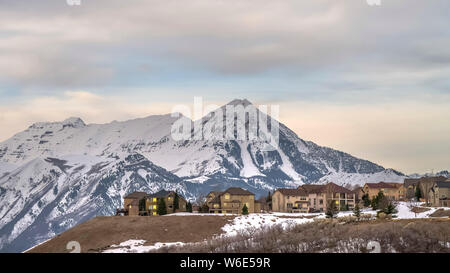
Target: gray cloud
{"type": "Point", "coordinates": [50, 43]}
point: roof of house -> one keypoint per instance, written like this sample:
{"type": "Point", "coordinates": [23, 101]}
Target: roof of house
{"type": "Point", "coordinates": [136, 195]}
{"type": "Point", "coordinates": [293, 192]}
{"type": "Point", "coordinates": [215, 193]}
{"type": "Point", "coordinates": [443, 184]}
{"type": "Point", "coordinates": [330, 187]}
{"type": "Point", "coordinates": [312, 188]}
{"type": "Point", "coordinates": [237, 191]}
{"type": "Point", "coordinates": [380, 185]}
{"type": "Point", "coordinates": [160, 194]}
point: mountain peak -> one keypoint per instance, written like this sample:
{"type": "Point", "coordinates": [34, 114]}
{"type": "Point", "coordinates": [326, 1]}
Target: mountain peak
{"type": "Point", "coordinates": [74, 122]}
{"type": "Point", "coordinates": [243, 102]}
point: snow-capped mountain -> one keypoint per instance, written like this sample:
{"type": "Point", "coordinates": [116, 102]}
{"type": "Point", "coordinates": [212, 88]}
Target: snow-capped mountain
{"type": "Point", "coordinates": [54, 175]}
{"type": "Point", "coordinates": [444, 173]}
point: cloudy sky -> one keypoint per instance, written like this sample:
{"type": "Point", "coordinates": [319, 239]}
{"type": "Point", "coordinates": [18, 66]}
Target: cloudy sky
{"type": "Point", "coordinates": [373, 81]}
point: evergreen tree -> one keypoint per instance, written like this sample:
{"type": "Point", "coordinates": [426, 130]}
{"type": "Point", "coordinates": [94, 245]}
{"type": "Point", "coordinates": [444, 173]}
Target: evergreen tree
{"type": "Point", "coordinates": [204, 208]}
{"type": "Point", "coordinates": [269, 197]}
{"type": "Point", "coordinates": [176, 202]}
{"type": "Point", "coordinates": [331, 209]}
{"type": "Point", "coordinates": [142, 205]}
{"type": "Point", "coordinates": [374, 203]}
{"type": "Point", "coordinates": [357, 211]}
{"type": "Point", "coordinates": [189, 207]}
{"type": "Point", "coordinates": [366, 200]}
{"type": "Point", "coordinates": [390, 209]}
{"type": "Point", "coordinates": [162, 210]}
{"type": "Point", "coordinates": [418, 193]}
{"type": "Point", "coordinates": [244, 210]}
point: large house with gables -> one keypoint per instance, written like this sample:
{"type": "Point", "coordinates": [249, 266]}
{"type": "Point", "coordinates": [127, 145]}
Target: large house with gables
{"type": "Point", "coordinates": [141, 203]}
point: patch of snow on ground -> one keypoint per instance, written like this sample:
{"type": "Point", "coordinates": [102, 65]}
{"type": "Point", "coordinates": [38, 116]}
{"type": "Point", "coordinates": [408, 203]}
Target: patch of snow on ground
{"type": "Point", "coordinates": [137, 246]}
{"type": "Point", "coordinates": [404, 210]}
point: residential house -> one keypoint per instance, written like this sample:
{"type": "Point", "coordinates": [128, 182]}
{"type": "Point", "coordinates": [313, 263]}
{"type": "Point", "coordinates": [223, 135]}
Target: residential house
{"type": "Point", "coordinates": [131, 202]}
{"type": "Point", "coordinates": [141, 203]}
{"type": "Point", "coordinates": [231, 201]}
{"type": "Point", "coordinates": [393, 191]}
{"type": "Point", "coordinates": [320, 196]}
{"type": "Point", "coordinates": [424, 184]}
{"type": "Point", "coordinates": [152, 202]}
{"type": "Point", "coordinates": [290, 200]}
{"type": "Point", "coordinates": [440, 194]}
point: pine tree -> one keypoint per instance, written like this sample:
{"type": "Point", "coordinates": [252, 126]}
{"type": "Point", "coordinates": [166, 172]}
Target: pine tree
{"type": "Point", "coordinates": [390, 209]}
{"type": "Point", "coordinates": [204, 208]}
{"type": "Point", "coordinates": [357, 211]}
{"type": "Point", "coordinates": [269, 197]}
{"type": "Point", "coordinates": [176, 202]}
{"type": "Point", "coordinates": [189, 207]}
{"type": "Point", "coordinates": [331, 209]}
{"type": "Point", "coordinates": [142, 205]}
{"type": "Point", "coordinates": [244, 210]}
{"type": "Point", "coordinates": [366, 200]}
{"type": "Point", "coordinates": [374, 203]}
{"type": "Point", "coordinates": [418, 193]}
{"type": "Point", "coordinates": [162, 207]}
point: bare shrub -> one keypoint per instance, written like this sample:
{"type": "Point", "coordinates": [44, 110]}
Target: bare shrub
{"type": "Point", "coordinates": [331, 235]}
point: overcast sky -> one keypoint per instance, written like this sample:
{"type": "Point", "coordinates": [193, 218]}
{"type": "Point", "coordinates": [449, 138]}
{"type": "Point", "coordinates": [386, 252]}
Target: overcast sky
{"type": "Point", "coordinates": [373, 81]}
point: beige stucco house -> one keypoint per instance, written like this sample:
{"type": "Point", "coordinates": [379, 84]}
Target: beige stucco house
{"type": "Point", "coordinates": [231, 201]}
{"type": "Point", "coordinates": [320, 196]}
{"type": "Point", "coordinates": [290, 200]}
{"type": "Point", "coordinates": [440, 194]}
{"type": "Point", "coordinates": [393, 191]}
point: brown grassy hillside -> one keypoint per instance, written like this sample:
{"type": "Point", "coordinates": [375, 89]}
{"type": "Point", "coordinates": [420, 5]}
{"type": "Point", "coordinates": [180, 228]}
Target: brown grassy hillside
{"type": "Point", "coordinates": [99, 233]}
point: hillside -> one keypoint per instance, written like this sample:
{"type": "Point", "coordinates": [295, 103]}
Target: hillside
{"type": "Point", "coordinates": [100, 233]}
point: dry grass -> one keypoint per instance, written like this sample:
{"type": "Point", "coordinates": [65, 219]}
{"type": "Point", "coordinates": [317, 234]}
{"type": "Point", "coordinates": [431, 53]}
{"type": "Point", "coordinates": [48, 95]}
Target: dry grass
{"type": "Point", "coordinates": [99, 233]}
{"type": "Point", "coordinates": [335, 236]}
{"type": "Point", "coordinates": [419, 209]}
{"type": "Point", "coordinates": [441, 213]}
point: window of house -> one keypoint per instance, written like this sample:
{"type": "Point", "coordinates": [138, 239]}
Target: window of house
{"type": "Point", "coordinates": [170, 198]}
{"type": "Point", "coordinates": [289, 205]}
{"type": "Point", "coordinates": [321, 201]}
{"type": "Point", "coordinates": [154, 199]}
{"type": "Point", "coordinates": [154, 213]}
{"type": "Point", "coordinates": [216, 206]}
{"type": "Point", "coordinates": [227, 196]}
{"type": "Point", "coordinates": [154, 206]}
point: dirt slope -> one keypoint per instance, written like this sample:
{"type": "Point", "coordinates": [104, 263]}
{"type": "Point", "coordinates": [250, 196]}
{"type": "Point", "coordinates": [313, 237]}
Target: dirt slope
{"type": "Point", "coordinates": [99, 233]}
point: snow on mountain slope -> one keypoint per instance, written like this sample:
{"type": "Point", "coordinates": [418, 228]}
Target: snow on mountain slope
{"type": "Point", "coordinates": [444, 173]}
{"type": "Point", "coordinates": [249, 169]}
{"type": "Point", "coordinates": [359, 179]}
{"type": "Point", "coordinates": [54, 175]}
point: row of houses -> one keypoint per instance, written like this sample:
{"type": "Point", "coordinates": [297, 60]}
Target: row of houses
{"type": "Point", "coordinates": [306, 198]}
{"type": "Point", "coordinates": [315, 198]}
